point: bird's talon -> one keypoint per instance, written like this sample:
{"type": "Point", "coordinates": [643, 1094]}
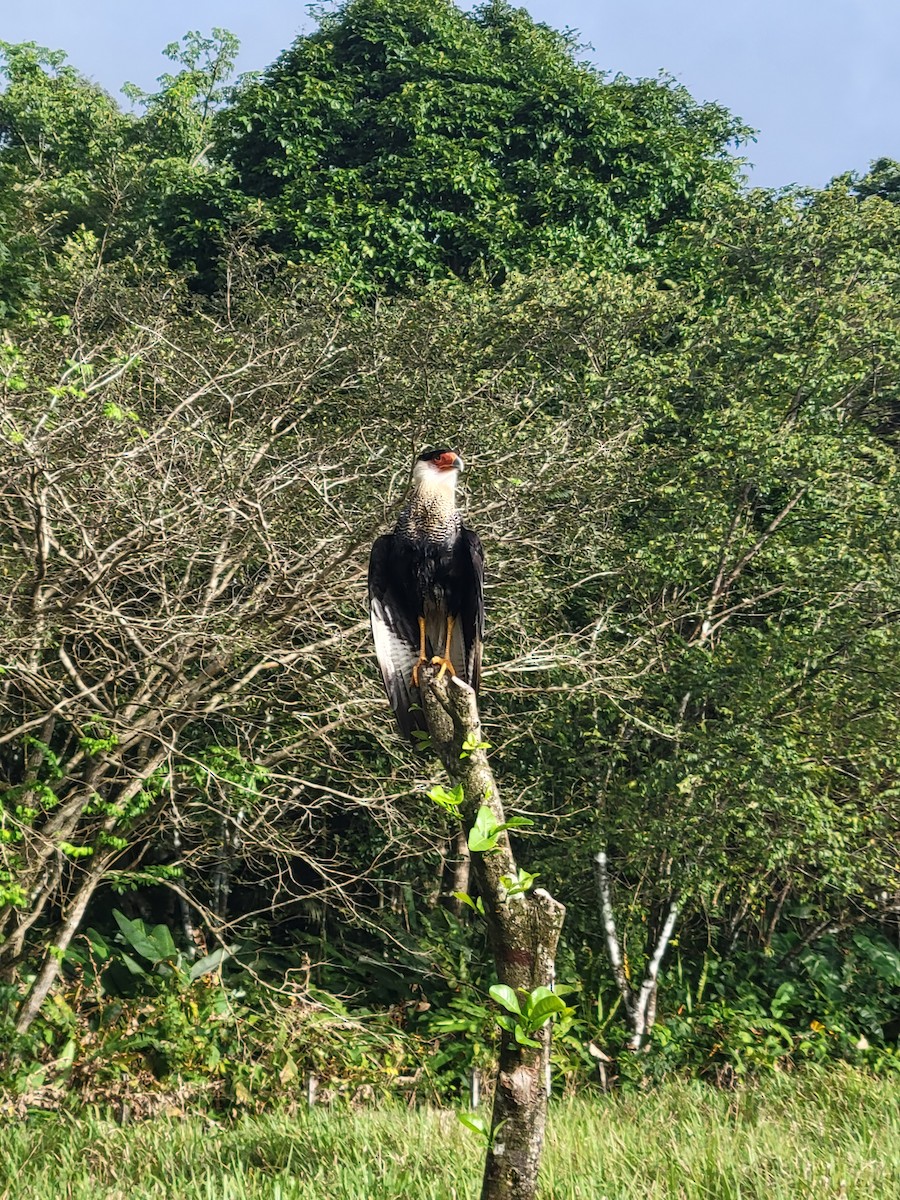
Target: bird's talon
{"type": "Point", "coordinates": [445, 665]}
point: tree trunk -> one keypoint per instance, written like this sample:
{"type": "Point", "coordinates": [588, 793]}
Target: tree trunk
{"type": "Point", "coordinates": [640, 1005]}
{"type": "Point", "coordinates": [523, 931]}
{"type": "Point", "coordinates": [456, 873]}
{"type": "Point", "coordinates": [65, 931]}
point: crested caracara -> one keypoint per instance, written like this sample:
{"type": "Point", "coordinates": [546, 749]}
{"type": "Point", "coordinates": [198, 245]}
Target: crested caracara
{"type": "Point", "coordinates": [426, 590]}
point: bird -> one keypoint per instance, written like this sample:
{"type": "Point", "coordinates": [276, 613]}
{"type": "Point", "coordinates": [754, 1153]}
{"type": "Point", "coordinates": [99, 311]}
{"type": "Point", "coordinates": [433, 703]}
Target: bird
{"type": "Point", "coordinates": [426, 591]}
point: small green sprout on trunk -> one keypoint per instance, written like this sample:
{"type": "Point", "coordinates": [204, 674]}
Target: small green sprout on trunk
{"type": "Point", "coordinates": [525, 1018]}
{"type": "Point", "coordinates": [485, 833]}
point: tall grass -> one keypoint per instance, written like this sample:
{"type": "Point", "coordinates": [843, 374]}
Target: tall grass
{"type": "Point", "coordinates": [822, 1136]}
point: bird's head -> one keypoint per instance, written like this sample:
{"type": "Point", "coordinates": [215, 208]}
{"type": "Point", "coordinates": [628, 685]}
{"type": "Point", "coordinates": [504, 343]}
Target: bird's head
{"type": "Point", "coordinates": [437, 468]}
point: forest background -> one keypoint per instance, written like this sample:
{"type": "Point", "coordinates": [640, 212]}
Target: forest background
{"type": "Point", "coordinates": [231, 318]}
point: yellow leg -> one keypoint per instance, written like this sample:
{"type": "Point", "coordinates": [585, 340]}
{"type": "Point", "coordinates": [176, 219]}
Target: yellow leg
{"type": "Point", "coordinates": [422, 656]}
{"type": "Point", "coordinates": [446, 664]}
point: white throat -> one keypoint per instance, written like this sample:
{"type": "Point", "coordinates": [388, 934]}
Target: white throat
{"type": "Point", "coordinates": [428, 480]}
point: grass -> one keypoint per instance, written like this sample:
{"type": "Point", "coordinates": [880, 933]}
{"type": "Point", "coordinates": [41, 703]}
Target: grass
{"type": "Point", "coordinates": [832, 1136]}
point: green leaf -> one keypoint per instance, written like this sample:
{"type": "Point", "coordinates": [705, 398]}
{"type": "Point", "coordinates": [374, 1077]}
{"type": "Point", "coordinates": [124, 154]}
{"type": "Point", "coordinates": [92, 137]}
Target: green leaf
{"type": "Point", "coordinates": [519, 885]}
{"type": "Point", "coordinates": [483, 834]}
{"type": "Point", "coordinates": [516, 823]}
{"type": "Point", "coordinates": [137, 938]}
{"type": "Point", "coordinates": [523, 1039]}
{"type": "Point", "coordinates": [66, 1056]}
{"type": "Point", "coordinates": [471, 744]}
{"type": "Point", "coordinates": [162, 938]}
{"type": "Point", "coordinates": [447, 800]}
{"type": "Point", "coordinates": [210, 962]}
{"type": "Point", "coordinates": [505, 997]}
{"type": "Point", "coordinates": [98, 943]}
{"type": "Point", "coordinates": [545, 1007]}
{"type": "Point", "coordinates": [133, 965]}
{"type": "Point", "coordinates": [476, 1123]}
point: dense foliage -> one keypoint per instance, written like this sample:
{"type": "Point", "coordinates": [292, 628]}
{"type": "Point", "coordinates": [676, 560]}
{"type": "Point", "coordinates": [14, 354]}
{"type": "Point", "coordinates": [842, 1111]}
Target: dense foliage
{"type": "Point", "coordinates": [230, 319]}
{"type": "Point", "coordinates": [409, 141]}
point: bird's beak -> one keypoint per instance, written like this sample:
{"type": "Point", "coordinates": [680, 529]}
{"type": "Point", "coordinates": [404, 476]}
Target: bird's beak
{"type": "Point", "coordinates": [459, 464]}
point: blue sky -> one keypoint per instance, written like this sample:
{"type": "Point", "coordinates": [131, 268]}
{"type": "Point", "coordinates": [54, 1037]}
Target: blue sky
{"type": "Point", "coordinates": [819, 79]}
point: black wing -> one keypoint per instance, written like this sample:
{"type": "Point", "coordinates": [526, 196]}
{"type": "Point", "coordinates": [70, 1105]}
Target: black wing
{"type": "Point", "coordinates": [395, 632]}
{"type": "Point", "coordinates": [469, 566]}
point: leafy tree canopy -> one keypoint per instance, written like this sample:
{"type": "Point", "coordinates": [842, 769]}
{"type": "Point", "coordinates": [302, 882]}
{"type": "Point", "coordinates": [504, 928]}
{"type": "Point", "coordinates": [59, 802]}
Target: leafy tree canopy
{"type": "Point", "coordinates": [405, 139]}
{"type": "Point", "coordinates": [883, 179]}
{"type": "Point", "coordinates": [78, 173]}
{"type": "Point", "coordinates": [60, 139]}
{"type": "Point", "coordinates": [178, 118]}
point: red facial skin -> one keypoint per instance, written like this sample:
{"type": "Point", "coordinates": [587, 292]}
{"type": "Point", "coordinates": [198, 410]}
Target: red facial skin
{"type": "Point", "coordinates": [446, 462]}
